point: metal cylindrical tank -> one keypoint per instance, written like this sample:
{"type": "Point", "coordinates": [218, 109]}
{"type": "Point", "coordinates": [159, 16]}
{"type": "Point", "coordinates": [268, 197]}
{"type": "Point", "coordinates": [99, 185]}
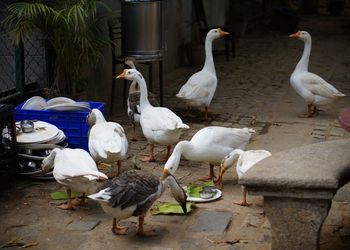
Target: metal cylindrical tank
{"type": "Point", "coordinates": [141, 28]}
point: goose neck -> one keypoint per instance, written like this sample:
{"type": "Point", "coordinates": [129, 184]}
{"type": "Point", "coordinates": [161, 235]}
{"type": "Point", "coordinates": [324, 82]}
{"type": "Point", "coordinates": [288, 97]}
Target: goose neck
{"type": "Point", "coordinates": [99, 118]}
{"type": "Point", "coordinates": [209, 61]}
{"type": "Point", "coordinates": [143, 93]}
{"type": "Point", "coordinates": [173, 184]}
{"type": "Point", "coordinates": [174, 160]}
{"type": "Point", "coordinates": [133, 87]}
{"type": "Point", "coordinates": [48, 162]}
{"type": "Point", "coordinates": [304, 60]}
{"type": "Point", "coordinates": [178, 193]}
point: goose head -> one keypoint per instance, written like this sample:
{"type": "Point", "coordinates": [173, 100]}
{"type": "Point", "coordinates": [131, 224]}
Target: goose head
{"type": "Point", "coordinates": [172, 164]}
{"type": "Point", "coordinates": [95, 116]}
{"type": "Point", "coordinates": [49, 161]}
{"type": "Point", "coordinates": [177, 191]}
{"type": "Point", "coordinates": [130, 61]}
{"type": "Point", "coordinates": [130, 74]}
{"type": "Point", "coordinates": [301, 35]}
{"type": "Point", "coordinates": [230, 159]}
{"type": "Point", "coordinates": [169, 167]}
{"type": "Point", "coordinates": [216, 33]}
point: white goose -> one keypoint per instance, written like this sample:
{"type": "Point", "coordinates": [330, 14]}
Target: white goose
{"type": "Point", "coordinates": [107, 140]}
{"type": "Point", "coordinates": [132, 194]}
{"type": "Point", "coordinates": [74, 169]}
{"type": "Point", "coordinates": [245, 161]}
{"type": "Point", "coordinates": [312, 88]}
{"type": "Point", "coordinates": [159, 125]}
{"type": "Point", "coordinates": [199, 90]}
{"type": "Point", "coordinates": [210, 144]}
{"type": "Point", "coordinates": [133, 101]}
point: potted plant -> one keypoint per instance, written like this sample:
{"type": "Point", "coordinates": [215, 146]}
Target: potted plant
{"type": "Point", "coordinates": [72, 29]}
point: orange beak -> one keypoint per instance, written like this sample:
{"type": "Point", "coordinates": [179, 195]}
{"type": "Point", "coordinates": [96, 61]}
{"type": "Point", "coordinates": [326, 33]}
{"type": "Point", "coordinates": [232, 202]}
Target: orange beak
{"type": "Point", "coordinates": [165, 174]}
{"type": "Point", "coordinates": [295, 35]}
{"type": "Point", "coordinates": [122, 75]}
{"type": "Point", "coordinates": [222, 33]}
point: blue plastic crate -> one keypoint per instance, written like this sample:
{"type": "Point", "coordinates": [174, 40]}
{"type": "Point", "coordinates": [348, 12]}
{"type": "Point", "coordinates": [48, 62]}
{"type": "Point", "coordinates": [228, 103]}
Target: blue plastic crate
{"type": "Point", "coordinates": [72, 123]}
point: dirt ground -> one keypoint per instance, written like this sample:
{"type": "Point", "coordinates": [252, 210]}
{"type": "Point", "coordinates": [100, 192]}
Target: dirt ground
{"type": "Point", "coordinates": [254, 91]}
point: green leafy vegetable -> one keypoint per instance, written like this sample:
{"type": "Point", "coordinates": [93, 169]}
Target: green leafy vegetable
{"type": "Point", "coordinates": [62, 195]}
{"type": "Point", "coordinates": [194, 190]}
{"type": "Point", "coordinates": [170, 208]}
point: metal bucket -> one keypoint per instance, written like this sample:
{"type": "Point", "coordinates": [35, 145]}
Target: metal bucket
{"type": "Point", "coordinates": [141, 29]}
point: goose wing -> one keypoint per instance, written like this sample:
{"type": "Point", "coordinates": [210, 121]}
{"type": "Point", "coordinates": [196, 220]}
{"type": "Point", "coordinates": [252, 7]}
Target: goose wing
{"type": "Point", "coordinates": [318, 86]}
{"type": "Point", "coordinates": [248, 159]}
{"type": "Point", "coordinates": [198, 86]}
{"type": "Point", "coordinates": [228, 137]}
{"type": "Point", "coordinates": [107, 138]}
{"type": "Point", "coordinates": [130, 188]}
{"type": "Point", "coordinates": [71, 163]}
{"type": "Point", "coordinates": [133, 103]}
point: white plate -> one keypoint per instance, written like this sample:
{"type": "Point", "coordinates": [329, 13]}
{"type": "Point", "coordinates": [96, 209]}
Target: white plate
{"type": "Point", "coordinates": [42, 177]}
{"type": "Point", "coordinates": [60, 137]}
{"type": "Point", "coordinates": [43, 132]}
{"type": "Point", "coordinates": [31, 157]}
{"type": "Point", "coordinates": [198, 199]}
{"type": "Point", "coordinates": [69, 107]}
{"type": "Point", "coordinates": [35, 103]}
{"type": "Point", "coordinates": [59, 100]}
{"type": "Point", "coordinates": [37, 173]}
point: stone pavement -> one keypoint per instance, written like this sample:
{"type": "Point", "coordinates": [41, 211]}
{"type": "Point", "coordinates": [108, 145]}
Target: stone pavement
{"type": "Point", "coordinates": [254, 91]}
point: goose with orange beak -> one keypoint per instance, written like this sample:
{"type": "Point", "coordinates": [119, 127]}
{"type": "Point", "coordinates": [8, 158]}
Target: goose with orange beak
{"type": "Point", "coordinates": [245, 161]}
{"type": "Point", "coordinates": [75, 170]}
{"type": "Point", "coordinates": [159, 125]}
{"type": "Point", "coordinates": [200, 88]}
{"type": "Point", "coordinates": [210, 144]}
{"type": "Point", "coordinates": [311, 87]}
{"type": "Point", "coordinates": [107, 140]}
{"type": "Point", "coordinates": [133, 101]}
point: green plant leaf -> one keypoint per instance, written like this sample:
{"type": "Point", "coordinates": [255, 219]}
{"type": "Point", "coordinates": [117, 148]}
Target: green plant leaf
{"type": "Point", "coordinates": [170, 208]}
{"type": "Point", "coordinates": [194, 190]}
{"type": "Point", "coordinates": [62, 195]}
{"type": "Point", "coordinates": [72, 28]}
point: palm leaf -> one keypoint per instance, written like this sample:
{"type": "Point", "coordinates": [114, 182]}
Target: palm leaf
{"type": "Point", "coordinates": [72, 27]}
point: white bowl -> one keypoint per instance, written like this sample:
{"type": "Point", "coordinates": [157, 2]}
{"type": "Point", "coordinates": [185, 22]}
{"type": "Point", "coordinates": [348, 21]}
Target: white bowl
{"type": "Point", "coordinates": [35, 103]}
{"type": "Point", "coordinates": [59, 100]}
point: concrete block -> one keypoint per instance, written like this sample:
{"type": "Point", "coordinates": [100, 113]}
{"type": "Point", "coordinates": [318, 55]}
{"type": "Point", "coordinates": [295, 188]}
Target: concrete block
{"type": "Point", "coordinates": [83, 225]}
{"type": "Point", "coordinates": [337, 132]}
{"type": "Point", "coordinates": [212, 221]}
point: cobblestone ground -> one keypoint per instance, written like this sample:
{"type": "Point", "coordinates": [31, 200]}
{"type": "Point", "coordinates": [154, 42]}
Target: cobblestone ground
{"type": "Point", "coordinates": [253, 91]}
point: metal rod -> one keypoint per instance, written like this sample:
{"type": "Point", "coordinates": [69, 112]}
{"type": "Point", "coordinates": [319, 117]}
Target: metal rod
{"type": "Point", "coordinates": [19, 60]}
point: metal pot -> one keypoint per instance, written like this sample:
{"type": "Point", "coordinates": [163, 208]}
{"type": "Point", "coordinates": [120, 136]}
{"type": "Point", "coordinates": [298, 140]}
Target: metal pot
{"type": "Point", "coordinates": [141, 29]}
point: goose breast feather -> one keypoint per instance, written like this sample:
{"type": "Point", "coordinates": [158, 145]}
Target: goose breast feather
{"type": "Point", "coordinates": [161, 119]}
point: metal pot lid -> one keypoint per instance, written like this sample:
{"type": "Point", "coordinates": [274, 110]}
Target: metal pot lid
{"type": "Point", "coordinates": [43, 132]}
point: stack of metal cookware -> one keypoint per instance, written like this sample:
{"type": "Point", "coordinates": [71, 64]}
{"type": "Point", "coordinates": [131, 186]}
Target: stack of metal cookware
{"type": "Point", "coordinates": [35, 140]}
